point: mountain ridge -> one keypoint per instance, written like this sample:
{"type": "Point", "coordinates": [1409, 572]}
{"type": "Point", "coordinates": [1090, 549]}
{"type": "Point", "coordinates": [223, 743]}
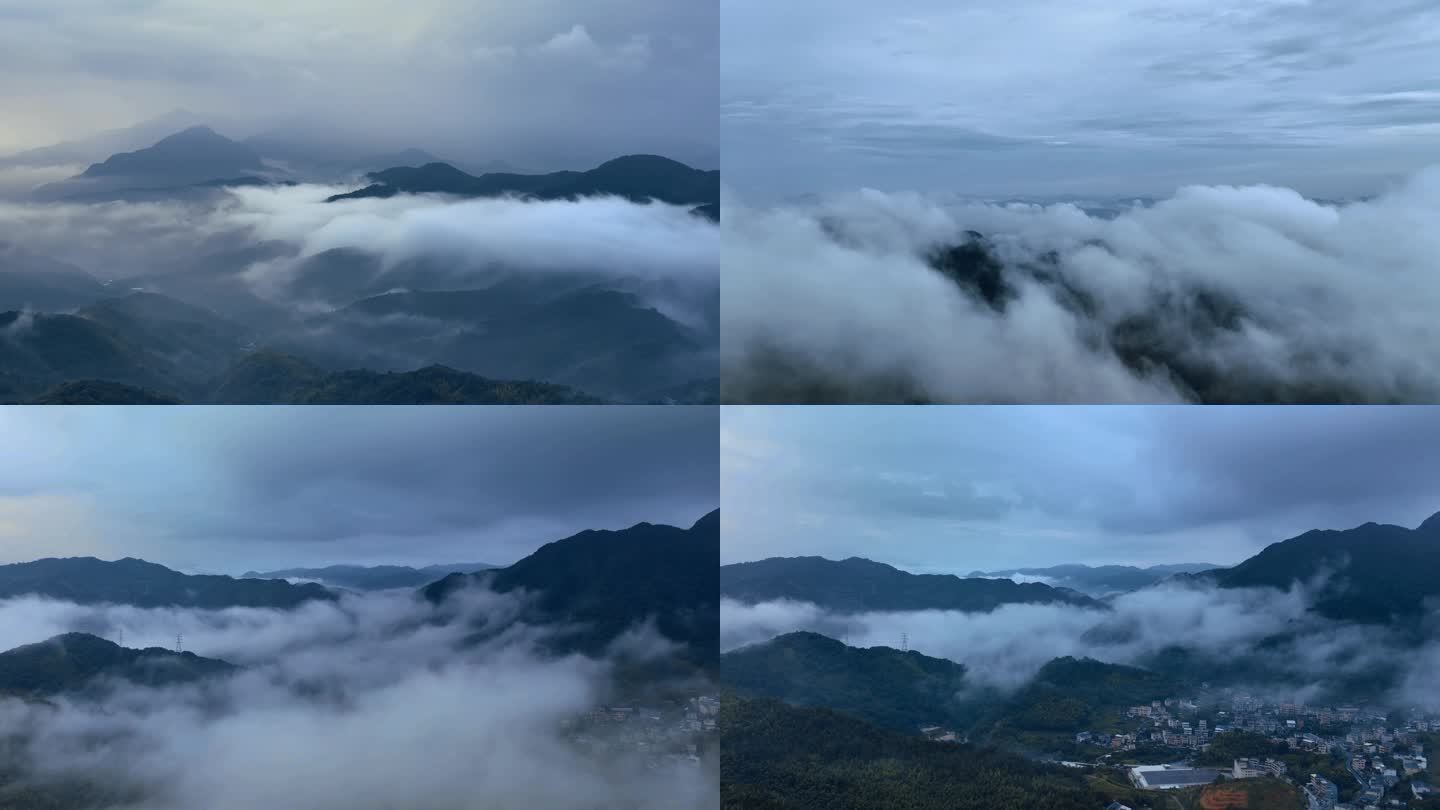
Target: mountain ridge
{"type": "Point", "coordinates": [73, 661]}
{"type": "Point", "coordinates": [638, 178]}
{"type": "Point", "coordinates": [894, 688]}
{"type": "Point", "coordinates": [606, 582]}
{"type": "Point", "coordinates": [857, 584]}
{"type": "Point", "coordinates": [370, 577]}
{"type": "Point", "coordinates": [132, 581]}
{"type": "Point", "coordinates": [1373, 573]}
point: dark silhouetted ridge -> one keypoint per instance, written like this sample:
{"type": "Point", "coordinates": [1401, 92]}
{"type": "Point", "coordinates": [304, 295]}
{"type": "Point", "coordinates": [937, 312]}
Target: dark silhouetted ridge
{"type": "Point", "coordinates": [857, 584]}
{"type": "Point", "coordinates": [88, 581]}
{"type": "Point", "coordinates": [72, 661]}
{"type": "Point", "coordinates": [607, 582]}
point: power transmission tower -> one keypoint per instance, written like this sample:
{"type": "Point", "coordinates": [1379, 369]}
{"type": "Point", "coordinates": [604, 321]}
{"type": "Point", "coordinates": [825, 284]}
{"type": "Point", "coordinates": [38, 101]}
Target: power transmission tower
{"type": "Point", "coordinates": [179, 643]}
{"type": "Point", "coordinates": [905, 642]}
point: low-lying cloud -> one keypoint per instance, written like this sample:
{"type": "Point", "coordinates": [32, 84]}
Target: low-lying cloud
{"type": "Point", "coordinates": [604, 238]}
{"type": "Point", "coordinates": [1245, 294]}
{"type": "Point", "coordinates": [371, 702]}
{"type": "Point", "coordinates": [601, 235]}
{"type": "Point", "coordinates": [1006, 647]}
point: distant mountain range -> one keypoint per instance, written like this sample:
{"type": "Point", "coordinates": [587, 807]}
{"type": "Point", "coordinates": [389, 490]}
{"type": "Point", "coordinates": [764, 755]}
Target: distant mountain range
{"type": "Point", "coordinates": [273, 378]}
{"type": "Point", "coordinates": [635, 177]}
{"type": "Point", "coordinates": [854, 585]}
{"type": "Point", "coordinates": [1100, 580]}
{"type": "Point", "coordinates": [184, 331]}
{"type": "Point", "coordinates": [88, 581]}
{"type": "Point", "coordinates": [607, 582]}
{"type": "Point", "coordinates": [198, 157]}
{"type": "Point", "coordinates": [370, 577]}
{"type": "Point", "coordinates": [191, 157]}
{"type": "Point", "coordinates": [97, 147]}
{"type": "Point", "coordinates": [150, 347]}
{"type": "Point", "coordinates": [75, 661]}
{"type": "Point", "coordinates": [904, 690]}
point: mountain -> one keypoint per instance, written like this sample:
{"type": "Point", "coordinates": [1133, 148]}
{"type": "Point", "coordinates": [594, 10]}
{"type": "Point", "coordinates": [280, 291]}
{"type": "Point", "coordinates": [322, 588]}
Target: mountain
{"type": "Point", "coordinates": [1373, 573]}
{"type": "Point", "coordinates": [591, 337]}
{"type": "Point", "coordinates": [267, 377]}
{"type": "Point", "coordinates": [114, 353]}
{"type": "Point", "coordinates": [40, 351]}
{"type": "Point", "coordinates": [30, 281]}
{"type": "Point", "coordinates": [142, 340]}
{"type": "Point", "coordinates": [192, 155]}
{"type": "Point", "coordinates": [608, 582]}
{"type": "Point", "coordinates": [889, 687]}
{"type": "Point", "coordinates": [100, 392]}
{"type": "Point", "coordinates": [634, 177]}
{"type": "Point", "coordinates": [779, 757]}
{"type": "Point", "coordinates": [1078, 694]}
{"type": "Point", "coordinates": [371, 577]}
{"type": "Point", "coordinates": [88, 581]}
{"type": "Point", "coordinates": [855, 585]}
{"type": "Point", "coordinates": [187, 158]}
{"type": "Point", "coordinates": [72, 661]}
{"type": "Point", "coordinates": [1100, 580]}
{"type": "Point", "coordinates": [191, 340]}
{"type": "Point", "coordinates": [92, 148]}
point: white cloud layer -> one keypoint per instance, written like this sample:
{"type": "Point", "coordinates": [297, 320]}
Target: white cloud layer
{"type": "Point", "coordinates": [369, 703]}
{"type": "Point", "coordinates": [1332, 301]}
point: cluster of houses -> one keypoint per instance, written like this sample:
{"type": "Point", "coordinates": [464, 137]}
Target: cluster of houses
{"type": "Point", "coordinates": [674, 729]}
{"type": "Point", "coordinates": [1380, 755]}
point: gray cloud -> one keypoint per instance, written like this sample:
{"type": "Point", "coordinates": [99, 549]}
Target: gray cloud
{"type": "Point", "coordinates": [1044, 96]}
{"type": "Point", "coordinates": [232, 489]}
{"type": "Point", "coordinates": [964, 488]}
{"type": "Point", "coordinates": [557, 81]}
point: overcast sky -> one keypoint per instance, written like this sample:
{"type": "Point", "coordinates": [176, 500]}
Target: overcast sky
{"type": "Point", "coordinates": [225, 490]}
{"type": "Point", "coordinates": [1039, 97]}
{"type": "Point", "coordinates": [955, 489]}
{"type": "Point", "coordinates": [489, 77]}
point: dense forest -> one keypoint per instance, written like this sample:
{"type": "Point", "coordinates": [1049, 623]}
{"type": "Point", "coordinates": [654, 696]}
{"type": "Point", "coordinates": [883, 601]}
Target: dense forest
{"type": "Point", "coordinates": [779, 757]}
{"type": "Point", "coordinates": [904, 690]}
{"type": "Point", "coordinates": [1073, 694]}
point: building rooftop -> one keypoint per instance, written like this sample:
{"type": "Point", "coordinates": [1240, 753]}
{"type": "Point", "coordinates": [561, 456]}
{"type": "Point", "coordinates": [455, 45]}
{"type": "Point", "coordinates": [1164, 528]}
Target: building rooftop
{"type": "Point", "coordinates": [1171, 776]}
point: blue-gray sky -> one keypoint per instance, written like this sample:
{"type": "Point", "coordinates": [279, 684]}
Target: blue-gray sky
{"type": "Point", "coordinates": [955, 489]}
{"type": "Point", "coordinates": [487, 79]}
{"type": "Point", "coordinates": [1055, 97]}
{"type": "Point", "coordinates": [225, 489]}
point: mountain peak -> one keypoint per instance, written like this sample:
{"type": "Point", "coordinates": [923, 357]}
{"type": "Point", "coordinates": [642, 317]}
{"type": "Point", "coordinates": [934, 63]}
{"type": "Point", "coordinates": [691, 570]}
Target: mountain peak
{"type": "Point", "coordinates": [194, 154]}
{"type": "Point", "coordinates": [197, 132]}
{"type": "Point", "coordinates": [1431, 524]}
{"type": "Point", "coordinates": [709, 523]}
{"type": "Point", "coordinates": [131, 581]}
{"type": "Point", "coordinates": [632, 162]}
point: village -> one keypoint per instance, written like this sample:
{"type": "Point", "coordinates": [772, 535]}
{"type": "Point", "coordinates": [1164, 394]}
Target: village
{"type": "Point", "coordinates": [1329, 752]}
{"type": "Point", "coordinates": [674, 731]}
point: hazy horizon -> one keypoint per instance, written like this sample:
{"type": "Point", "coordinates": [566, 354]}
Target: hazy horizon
{"type": "Point", "coordinates": [272, 488]}
{"type": "Point", "coordinates": [959, 489]}
{"type": "Point", "coordinates": [551, 83]}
